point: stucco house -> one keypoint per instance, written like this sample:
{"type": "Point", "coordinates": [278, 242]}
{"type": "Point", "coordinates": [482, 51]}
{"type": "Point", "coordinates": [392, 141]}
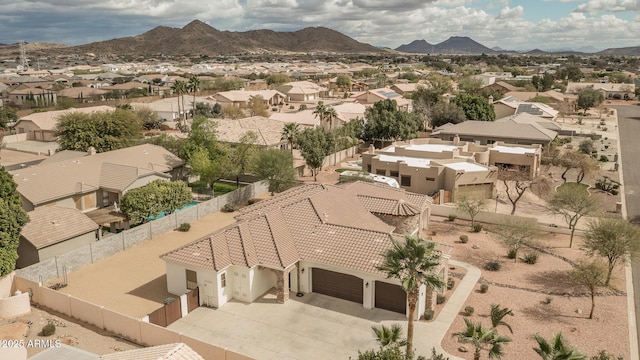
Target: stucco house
{"type": "Point", "coordinates": [325, 239]}
{"type": "Point", "coordinates": [511, 105]}
{"type": "Point", "coordinates": [53, 231]}
{"type": "Point", "coordinates": [241, 98]}
{"type": "Point", "coordinates": [40, 126]}
{"type": "Point", "coordinates": [489, 132]}
{"type": "Point", "coordinates": [609, 90]}
{"type": "Point", "coordinates": [429, 166]}
{"type": "Point", "coordinates": [94, 181]}
{"type": "Point", "coordinates": [303, 91]}
{"type": "Point", "coordinates": [370, 97]}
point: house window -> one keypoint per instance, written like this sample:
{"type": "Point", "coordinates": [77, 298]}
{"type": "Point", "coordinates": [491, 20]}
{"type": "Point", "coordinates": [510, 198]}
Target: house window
{"type": "Point", "coordinates": [223, 279]}
{"type": "Point", "coordinates": [192, 279]}
{"type": "Point", "coordinates": [405, 180]}
{"type": "Point", "coordinates": [491, 141]}
{"type": "Point", "coordinates": [381, 172]}
{"type": "Point", "coordinates": [430, 179]}
{"type": "Point", "coordinates": [394, 174]}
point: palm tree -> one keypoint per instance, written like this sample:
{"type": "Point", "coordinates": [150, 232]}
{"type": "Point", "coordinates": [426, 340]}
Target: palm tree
{"type": "Point", "coordinates": [194, 85]}
{"type": "Point", "coordinates": [330, 114]}
{"type": "Point", "coordinates": [290, 133]}
{"type": "Point", "coordinates": [482, 339]}
{"type": "Point", "coordinates": [557, 349]}
{"type": "Point", "coordinates": [412, 262]}
{"type": "Point", "coordinates": [180, 87]}
{"type": "Point", "coordinates": [389, 336]}
{"type": "Point", "coordinates": [497, 314]}
{"type": "Point", "coordinates": [320, 111]}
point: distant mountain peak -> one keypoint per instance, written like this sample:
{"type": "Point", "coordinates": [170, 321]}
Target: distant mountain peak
{"type": "Point", "coordinates": [453, 45]}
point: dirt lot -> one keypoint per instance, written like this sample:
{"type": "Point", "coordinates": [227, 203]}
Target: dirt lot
{"type": "Point", "coordinates": [608, 330]}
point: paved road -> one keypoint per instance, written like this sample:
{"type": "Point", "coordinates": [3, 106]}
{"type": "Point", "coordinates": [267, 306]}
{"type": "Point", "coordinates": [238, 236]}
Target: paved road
{"type": "Point", "coordinates": [629, 134]}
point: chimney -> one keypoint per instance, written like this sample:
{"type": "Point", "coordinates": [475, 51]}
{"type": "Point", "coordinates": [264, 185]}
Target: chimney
{"type": "Point", "coordinates": [92, 150]}
{"type": "Point", "coordinates": [372, 149]}
{"type": "Point", "coordinates": [456, 140]}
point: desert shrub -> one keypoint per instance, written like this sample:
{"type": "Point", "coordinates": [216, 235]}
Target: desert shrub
{"type": "Point", "coordinates": [453, 217]}
{"type": "Point", "coordinates": [477, 227]}
{"type": "Point", "coordinates": [428, 314]}
{"type": "Point", "coordinates": [604, 158]}
{"type": "Point", "coordinates": [229, 207]}
{"type": "Point", "coordinates": [548, 300]}
{"type": "Point", "coordinates": [48, 330]}
{"type": "Point", "coordinates": [184, 227]}
{"type": "Point", "coordinates": [469, 310]}
{"type": "Point", "coordinates": [464, 239]}
{"type": "Point", "coordinates": [512, 253]}
{"type": "Point", "coordinates": [251, 201]}
{"type": "Point", "coordinates": [484, 287]}
{"type": "Point", "coordinates": [614, 192]}
{"type": "Point", "coordinates": [493, 265]}
{"type": "Point", "coordinates": [450, 283]}
{"type": "Point", "coordinates": [530, 258]}
{"type": "Point", "coordinates": [164, 127]}
{"type": "Point", "coordinates": [440, 299]}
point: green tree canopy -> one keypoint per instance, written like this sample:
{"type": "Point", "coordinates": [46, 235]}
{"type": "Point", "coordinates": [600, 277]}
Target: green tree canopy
{"type": "Point", "coordinates": [444, 112]}
{"type": "Point", "coordinates": [315, 144]}
{"type": "Point", "coordinates": [572, 201]}
{"type": "Point", "coordinates": [7, 115]}
{"type": "Point", "coordinates": [386, 123]}
{"type": "Point", "coordinates": [343, 81]}
{"type": "Point", "coordinates": [105, 131]}
{"type": "Point", "coordinates": [556, 349]}
{"type": "Point", "coordinates": [276, 166]}
{"type": "Point", "coordinates": [589, 97]}
{"type": "Point", "coordinates": [12, 219]}
{"type": "Point", "coordinates": [277, 79]}
{"type": "Point", "coordinates": [475, 107]}
{"type": "Point", "coordinates": [154, 198]}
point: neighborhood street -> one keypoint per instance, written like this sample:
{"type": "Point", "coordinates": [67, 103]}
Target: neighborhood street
{"type": "Point", "coordinates": [629, 133]}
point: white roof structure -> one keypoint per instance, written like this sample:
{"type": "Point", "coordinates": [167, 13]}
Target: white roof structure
{"type": "Point", "coordinates": [466, 166]}
{"type": "Point", "coordinates": [514, 149]}
{"type": "Point", "coordinates": [411, 161]}
{"type": "Point", "coordinates": [431, 147]}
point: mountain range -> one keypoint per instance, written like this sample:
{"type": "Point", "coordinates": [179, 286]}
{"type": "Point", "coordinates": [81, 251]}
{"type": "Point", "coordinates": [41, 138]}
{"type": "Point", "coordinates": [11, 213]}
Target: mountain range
{"type": "Point", "coordinates": [200, 38]}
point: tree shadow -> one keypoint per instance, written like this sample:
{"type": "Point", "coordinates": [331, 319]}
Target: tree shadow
{"type": "Point", "coordinates": [557, 281]}
{"type": "Point", "coordinates": [549, 314]}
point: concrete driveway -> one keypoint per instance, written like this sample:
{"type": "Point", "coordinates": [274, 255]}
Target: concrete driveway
{"type": "Point", "coordinates": [313, 327]}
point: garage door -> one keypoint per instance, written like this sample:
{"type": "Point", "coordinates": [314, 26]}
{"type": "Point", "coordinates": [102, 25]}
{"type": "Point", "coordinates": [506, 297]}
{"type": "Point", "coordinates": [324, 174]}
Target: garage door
{"type": "Point", "coordinates": [336, 284]}
{"type": "Point", "coordinates": [391, 297]}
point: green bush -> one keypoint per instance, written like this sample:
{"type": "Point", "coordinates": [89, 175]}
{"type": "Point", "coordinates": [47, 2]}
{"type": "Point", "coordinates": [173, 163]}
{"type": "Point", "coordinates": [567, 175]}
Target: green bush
{"type": "Point", "coordinates": [469, 310]}
{"type": "Point", "coordinates": [453, 217]}
{"type": "Point", "coordinates": [440, 299]}
{"type": "Point", "coordinates": [614, 192]}
{"type": "Point", "coordinates": [184, 227]}
{"type": "Point", "coordinates": [493, 265]}
{"type": "Point", "coordinates": [484, 287]}
{"type": "Point", "coordinates": [512, 253]}
{"type": "Point", "coordinates": [464, 239]}
{"type": "Point", "coordinates": [450, 283]}
{"type": "Point", "coordinates": [530, 258]}
{"type": "Point", "coordinates": [604, 158]}
{"type": "Point", "coordinates": [428, 314]}
{"type": "Point", "coordinates": [229, 207]}
{"type": "Point", "coordinates": [48, 330]}
{"type": "Point", "coordinates": [477, 227]}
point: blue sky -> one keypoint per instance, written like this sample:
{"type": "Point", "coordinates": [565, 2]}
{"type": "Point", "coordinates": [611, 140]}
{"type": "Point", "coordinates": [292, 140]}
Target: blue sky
{"type": "Point", "coordinates": [509, 24]}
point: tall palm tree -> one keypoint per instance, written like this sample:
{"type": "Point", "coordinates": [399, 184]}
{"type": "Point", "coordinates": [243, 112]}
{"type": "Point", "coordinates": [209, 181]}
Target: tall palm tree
{"type": "Point", "coordinates": [330, 114]}
{"type": "Point", "coordinates": [387, 336]}
{"type": "Point", "coordinates": [180, 87]}
{"type": "Point", "coordinates": [557, 349]}
{"type": "Point", "coordinates": [290, 133]}
{"type": "Point", "coordinates": [194, 85]}
{"type": "Point", "coordinates": [320, 111]}
{"type": "Point", "coordinates": [413, 262]}
{"type": "Point", "coordinates": [482, 339]}
{"type": "Point", "coordinates": [497, 314]}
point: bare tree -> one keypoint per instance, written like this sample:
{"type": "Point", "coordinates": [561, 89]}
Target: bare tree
{"type": "Point", "coordinates": [517, 182]}
{"type": "Point", "coordinates": [517, 232]}
{"type": "Point", "coordinates": [590, 275]}
{"type": "Point", "coordinates": [472, 206]}
{"type": "Point", "coordinates": [573, 203]}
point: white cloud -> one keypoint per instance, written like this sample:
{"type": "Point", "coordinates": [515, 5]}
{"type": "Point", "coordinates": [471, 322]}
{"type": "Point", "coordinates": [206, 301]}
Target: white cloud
{"type": "Point", "coordinates": [594, 6]}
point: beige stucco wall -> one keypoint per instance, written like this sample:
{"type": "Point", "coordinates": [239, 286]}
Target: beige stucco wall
{"type": "Point", "coordinates": [67, 245]}
{"type": "Point", "coordinates": [207, 281]}
{"type": "Point", "coordinates": [27, 254]}
{"type": "Point", "coordinates": [261, 280]}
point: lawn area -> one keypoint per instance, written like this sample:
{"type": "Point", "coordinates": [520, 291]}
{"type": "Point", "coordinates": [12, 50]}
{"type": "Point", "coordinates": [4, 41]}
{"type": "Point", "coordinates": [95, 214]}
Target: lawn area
{"type": "Point", "coordinates": [219, 188]}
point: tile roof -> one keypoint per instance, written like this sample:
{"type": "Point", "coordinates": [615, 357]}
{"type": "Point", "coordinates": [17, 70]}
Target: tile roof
{"type": "Point", "coordinates": [269, 131]}
{"type": "Point", "coordinates": [51, 224]}
{"type": "Point", "coordinates": [177, 351]}
{"type": "Point", "coordinates": [49, 119]}
{"type": "Point", "coordinates": [304, 117]}
{"type": "Point", "coordinates": [500, 129]}
{"type": "Point", "coordinates": [324, 223]}
{"type": "Point", "coordinates": [56, 180]}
